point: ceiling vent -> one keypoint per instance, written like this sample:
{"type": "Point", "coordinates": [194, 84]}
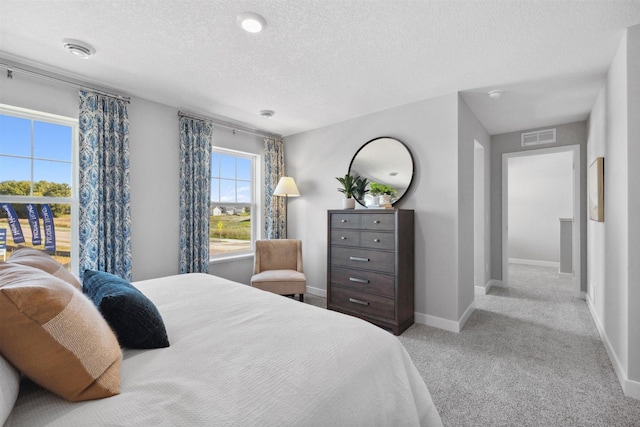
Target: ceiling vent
{"type": "Point", "coordinates": [547, 136]}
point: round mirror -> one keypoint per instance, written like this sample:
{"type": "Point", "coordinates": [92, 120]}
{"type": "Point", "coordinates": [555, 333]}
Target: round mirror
{"type": "Point", "coordinates": [384, 161]}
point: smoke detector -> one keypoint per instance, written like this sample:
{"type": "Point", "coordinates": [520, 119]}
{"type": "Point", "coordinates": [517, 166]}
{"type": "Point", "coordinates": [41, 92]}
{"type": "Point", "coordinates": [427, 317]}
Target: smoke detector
{"type": "Point", "coordinates": [266, 114]}
{"type": "Point", "coordinates": [78, 49]}
{"type": "Point", "coordinates": [495, 94]}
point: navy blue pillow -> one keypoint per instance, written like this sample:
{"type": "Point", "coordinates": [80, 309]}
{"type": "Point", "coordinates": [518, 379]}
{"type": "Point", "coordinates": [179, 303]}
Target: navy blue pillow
{"type": "Point", "coordinates": [132, 316]}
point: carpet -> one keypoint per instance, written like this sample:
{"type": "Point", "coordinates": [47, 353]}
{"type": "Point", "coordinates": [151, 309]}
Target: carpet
{"type": "Point", "coordinates": [529, 355]}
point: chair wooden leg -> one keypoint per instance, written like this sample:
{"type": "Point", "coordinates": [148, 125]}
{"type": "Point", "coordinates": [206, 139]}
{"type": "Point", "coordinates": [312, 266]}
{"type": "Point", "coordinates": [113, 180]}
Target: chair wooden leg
{"type": "Point", "coordinates": [301, 297]}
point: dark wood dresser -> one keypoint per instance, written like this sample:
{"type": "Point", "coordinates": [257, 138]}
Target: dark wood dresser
{"type": "Point", "coordinates": [370, 265]}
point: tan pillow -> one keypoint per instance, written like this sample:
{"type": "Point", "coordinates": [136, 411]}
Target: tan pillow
{"type": "Point", "coordinates": [32, 257]}
{"type": "Point", "coordinates": [56, 336]}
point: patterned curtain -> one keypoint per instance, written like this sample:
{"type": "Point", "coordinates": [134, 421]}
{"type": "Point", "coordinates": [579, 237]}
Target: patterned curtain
{"type": "Point", "coordinates": [195, 194]}
{"type": "Point", "coordinates": [104, 215]}
{"type": "Point", "coordinates": [275, 226]}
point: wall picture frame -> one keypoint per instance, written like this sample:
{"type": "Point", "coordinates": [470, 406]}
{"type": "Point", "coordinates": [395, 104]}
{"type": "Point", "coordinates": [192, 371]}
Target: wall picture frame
{"type": "Point", "coordinates": [596, 190]}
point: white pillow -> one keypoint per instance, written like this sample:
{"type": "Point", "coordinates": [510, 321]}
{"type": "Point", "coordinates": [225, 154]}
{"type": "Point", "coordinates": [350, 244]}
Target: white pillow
{"type": "Point", "coordinates": [10, 381]}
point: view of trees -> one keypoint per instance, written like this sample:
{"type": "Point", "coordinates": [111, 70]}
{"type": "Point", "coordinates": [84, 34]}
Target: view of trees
{"type": "Point", "coordinates": [40, 188]}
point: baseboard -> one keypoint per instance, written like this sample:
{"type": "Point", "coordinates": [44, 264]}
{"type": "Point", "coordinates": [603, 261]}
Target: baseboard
{"type": "Point", "coordinates": [317, 291]}
{"type": "Point", "coordinates": [447, 325]}
{"type": "Point", "coordinates": [485, 289]}
{"type": "Point", "coordinates": [534, 262]}
{"type": "Point", "coordinates": [496, 283]}
{"type": "Point", "coordinates": [465, 316]}
{"type": "Point", "coordinates": [629, 387]}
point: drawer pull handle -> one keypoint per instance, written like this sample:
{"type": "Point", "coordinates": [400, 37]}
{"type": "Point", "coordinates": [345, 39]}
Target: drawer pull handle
{"type": "Point", "coordinates": [357, 301]}
{"type": "Point", "coordinates": [343, 238]}
{"type": "Point", "coordinates": [376, 222]}
{"type": "Point", "coordinates": [355, 279]}
{"type": "Point", "coordinates": [355, 258]}
{"type": "Point", "coordinates": [343, 220]}
{"type": "Point", "coordinates": [376, 240]}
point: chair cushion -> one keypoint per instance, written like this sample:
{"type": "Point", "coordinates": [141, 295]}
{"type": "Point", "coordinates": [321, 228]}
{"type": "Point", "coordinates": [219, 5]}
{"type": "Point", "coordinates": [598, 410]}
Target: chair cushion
{"type": "Point", "coordinates": [132, 316]}
{"type": "Point", "coordinates": [283, 282]}
{"type": "Point", "coordinates": [279, 276]}
{"type": "Point", "coordinates": [36, 258]}
{"type": "Point", "coordinates": [52, 333]}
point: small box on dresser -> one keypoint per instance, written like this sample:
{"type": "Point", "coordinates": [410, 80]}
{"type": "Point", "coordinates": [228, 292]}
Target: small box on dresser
{"type": "Point", "coordinates": [370, 265]}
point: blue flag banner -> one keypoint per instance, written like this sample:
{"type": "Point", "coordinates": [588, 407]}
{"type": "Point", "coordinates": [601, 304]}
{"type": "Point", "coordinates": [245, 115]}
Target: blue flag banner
{"type": "Point", "coordinates": [34, 222]}
{"type": "Point", "coordinates": [49, 229]}
{"type": "Point", "coordinates": [3, 243]}
{"type": "Point", "coordinates": [14, 225]}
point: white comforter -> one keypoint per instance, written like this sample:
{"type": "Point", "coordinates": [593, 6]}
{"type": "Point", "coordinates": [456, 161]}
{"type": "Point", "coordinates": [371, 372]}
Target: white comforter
{"type": "Point", "coordinates": [244, 357]}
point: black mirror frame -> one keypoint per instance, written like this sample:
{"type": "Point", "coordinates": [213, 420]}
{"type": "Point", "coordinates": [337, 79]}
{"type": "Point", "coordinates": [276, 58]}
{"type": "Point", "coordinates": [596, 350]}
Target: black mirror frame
{"type": "Point", "coordinates": [413, 165]}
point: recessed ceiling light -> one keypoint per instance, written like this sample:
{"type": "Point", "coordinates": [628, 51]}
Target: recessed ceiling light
{"type": "Point", "coordinates": [78, 49]}
{"type": "Point", "coordinates": [495, 94]}
{"type": "Point", "coordinates": [266, 114]}
{"type": "Point", "coordinates": [251, 22]}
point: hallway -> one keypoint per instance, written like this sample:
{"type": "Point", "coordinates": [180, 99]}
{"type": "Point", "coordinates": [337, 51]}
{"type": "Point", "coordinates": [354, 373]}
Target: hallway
{"type": "Point", "coordinates": [529, 355]}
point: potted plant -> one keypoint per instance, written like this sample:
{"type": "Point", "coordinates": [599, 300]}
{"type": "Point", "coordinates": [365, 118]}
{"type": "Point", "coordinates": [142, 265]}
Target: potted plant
{"type": "Point", "coordinates": [348, 188]}
{"type": "Point", "coordinates": [385, 192]}
{"type": "Point", "coordinates": [361, 188]}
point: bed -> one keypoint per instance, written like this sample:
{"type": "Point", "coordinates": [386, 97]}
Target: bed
{"type": "Point", "coordinates": [244, 357]}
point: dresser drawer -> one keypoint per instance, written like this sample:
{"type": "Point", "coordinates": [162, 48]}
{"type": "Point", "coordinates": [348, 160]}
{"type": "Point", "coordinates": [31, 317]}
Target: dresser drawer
{"type": "Point", "coordinates": [345, 237]}
{"type": "Point", "coordinates": [363, 258]}
{"type": "Point", "coordinates": [369, 281]}
{"type": "Point", "coordinates": [360, 302]}
{"type": "Point", "coordinates": [375, 240]}
{"type": "Point", "coordinates": [372, 221]}
{"type": "Point", "coordinates": [345, 221]}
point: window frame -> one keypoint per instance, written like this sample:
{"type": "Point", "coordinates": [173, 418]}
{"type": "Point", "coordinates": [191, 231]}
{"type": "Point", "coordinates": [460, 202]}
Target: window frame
{"type": "Point", "coordinates": [33, 115]}
{"type": "Point", "coordinates": [254, 204]}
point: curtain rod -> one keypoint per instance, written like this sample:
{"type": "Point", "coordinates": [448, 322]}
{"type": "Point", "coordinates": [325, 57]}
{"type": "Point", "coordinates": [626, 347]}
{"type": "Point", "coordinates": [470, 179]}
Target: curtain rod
{"type": "Point", "coordinates": [227, 125]}
{"type": "Point", "coordinates": [10, 69]}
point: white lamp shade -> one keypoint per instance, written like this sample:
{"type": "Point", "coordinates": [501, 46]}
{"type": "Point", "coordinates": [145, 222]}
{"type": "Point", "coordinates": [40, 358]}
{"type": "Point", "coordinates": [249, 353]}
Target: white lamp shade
{"type": "Point", "coordinates": [286, 187]}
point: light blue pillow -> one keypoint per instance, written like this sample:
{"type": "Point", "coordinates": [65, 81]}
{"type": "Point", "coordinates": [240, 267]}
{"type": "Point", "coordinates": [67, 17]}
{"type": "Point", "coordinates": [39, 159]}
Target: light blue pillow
{"type": "Point", "coordinates": [132, 316]}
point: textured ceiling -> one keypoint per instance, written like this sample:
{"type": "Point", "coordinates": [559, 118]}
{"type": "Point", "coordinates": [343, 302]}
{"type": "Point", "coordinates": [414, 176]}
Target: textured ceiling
{"type": "Point", "coordinates": [323, 62]}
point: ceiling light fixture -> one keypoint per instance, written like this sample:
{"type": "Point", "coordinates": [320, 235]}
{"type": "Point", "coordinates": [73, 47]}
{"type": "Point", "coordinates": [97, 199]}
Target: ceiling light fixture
{"type": "Point", "coordinates": [78, 49]}
{"type": "Point", "coordinates": [251, 22]}
{"type": "Point", "coordinates": [495, 94]}
{"type": "Point", "coordinates": [266, 114]}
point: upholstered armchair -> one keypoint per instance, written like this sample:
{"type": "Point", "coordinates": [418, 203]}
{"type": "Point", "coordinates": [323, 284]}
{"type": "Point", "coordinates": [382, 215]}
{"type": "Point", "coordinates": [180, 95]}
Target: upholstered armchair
{"type": "Point", "coordinates": [278, 267]}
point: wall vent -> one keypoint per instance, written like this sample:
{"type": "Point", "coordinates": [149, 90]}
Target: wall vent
{"type": "Point", "coordinates": [547, 136]}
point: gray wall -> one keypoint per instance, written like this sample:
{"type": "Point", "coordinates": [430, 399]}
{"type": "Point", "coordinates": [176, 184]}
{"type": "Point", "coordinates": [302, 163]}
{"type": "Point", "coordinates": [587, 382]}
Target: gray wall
{"type": "Point", "coordinates": [566, 134]}
{"type": "Point", "coordinates": [540, 192]}
{"type": "Point", "coordinates": [154, 168]}
{"type": "Point", "coordinates": [429, 129]}
{"type": "Point", "coordinates": [470, 130]}
{"type": "Point", "coordinates": [614, 245]}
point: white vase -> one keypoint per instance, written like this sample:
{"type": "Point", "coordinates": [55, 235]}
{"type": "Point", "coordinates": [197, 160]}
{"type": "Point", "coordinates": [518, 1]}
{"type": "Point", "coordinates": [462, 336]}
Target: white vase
{"type": "Point", "coordinates": [349, 203]}
{"type": "Point", "coordinates": [385, 199]}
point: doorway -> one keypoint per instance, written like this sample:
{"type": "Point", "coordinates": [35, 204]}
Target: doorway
{"type": "Point", "coordinates": [541, 210]}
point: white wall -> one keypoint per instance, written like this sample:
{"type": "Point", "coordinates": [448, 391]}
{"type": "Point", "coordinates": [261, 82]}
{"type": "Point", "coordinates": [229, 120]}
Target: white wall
{"type": "Point", "coordinates": [614, 245]}
{"type": "Point", "coordinates": [154, 169]}
{"type": "Point", "coordinates": [540, 192]}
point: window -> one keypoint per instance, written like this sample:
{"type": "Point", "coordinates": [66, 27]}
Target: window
{"type": "Point", "coordinates": [38, 191]}
{"type": "Point", "coordinates": [233, 207]}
